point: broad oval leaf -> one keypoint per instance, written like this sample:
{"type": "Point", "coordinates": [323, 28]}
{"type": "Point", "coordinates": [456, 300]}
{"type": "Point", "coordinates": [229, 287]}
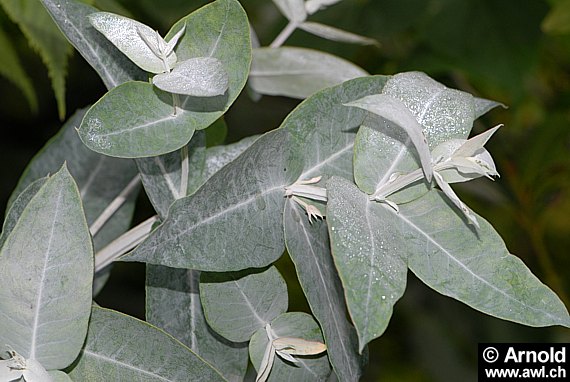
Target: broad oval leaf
{"type": "Point", "coordinates": [297, 325]}
{"type": "Point", "coordinates": [367, 253]}
{"type": "Point", "coordinates": [474, 267]}
{"type": "Point", "coordinates": [45, 281]}
{"type": "Point", "coordinates": [213, 238]}
{"type": "Point", "coordinates": [309, 248]}
{"type": "Point", "coordinates": [238, 304]}
{"type": "Point", "coordinates": [71, 17]}
{"type": "Point", "coordinates": [198, 77]}
{"type": "Point", "coordinates": [136, 119]}
{"type": "Point", "coordinates": [130, 37]}
{"type": "Point", "coordinates": [298, 72]}
{"type": "Point", "coordinates": [173, 304]}
{"type": "Point", "coordinates": [122, 348]}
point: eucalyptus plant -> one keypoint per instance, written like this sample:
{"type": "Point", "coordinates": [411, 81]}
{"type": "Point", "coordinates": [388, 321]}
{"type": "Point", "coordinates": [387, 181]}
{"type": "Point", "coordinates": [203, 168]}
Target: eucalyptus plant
{"type": "Point", "coordinates": [355, 186]}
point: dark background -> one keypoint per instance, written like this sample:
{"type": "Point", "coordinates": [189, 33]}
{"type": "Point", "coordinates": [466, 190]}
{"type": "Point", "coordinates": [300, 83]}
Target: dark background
{"type": "Point", "coordinates": [515, 52]}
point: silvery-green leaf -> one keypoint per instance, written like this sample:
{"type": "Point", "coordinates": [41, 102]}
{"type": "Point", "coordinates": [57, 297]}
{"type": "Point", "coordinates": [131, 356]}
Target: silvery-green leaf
{"type": "Point", "coordinates": [59, 376]}
{"type": "Point", "coordinates": [122, 348]}
{"type": "Point", "coordinates": [138, 120]}
{"type": "Point", "coordinates": [71, 17]}
{"type": "Point", "coordinates": [173, 304]}
{"type": "Point", "coordinates": [162, 175]}
{"type": "Point", "coordinates": [298, 72]}
{"type": "Point", "coordinates": [131, 37]}
{"type": "Point", "coordinates": [213, 237]}
{"type": "Point", "coordinates": [367, 251]}
{"type": "Point", "coordinates": [309, 248]}
{"type": "Point", "coordinates": [45, 281]}
{"type": "Point", "coordinates": [198, 77]}
{"type": "Point", "coordinates": [294, 10]}
{"type": "Point", "coordinates": [397, 113]}
{"type": "Point", "coordinates": [35, 372]}
{"type": "Point", "coordinates": [475, 268]}
{"type": "Point", "coordinates": [335, 34]}
{"type": "Point", "coordinates": [313, 6]}
{"type": "Point", "coordinates": [307, 368]}
{"type": "Point", "coordinates": [100, 178]}
{"type": "Point", "coordinates": [443, 113]}
{"type": "Point", "coordinates": [238, 304]}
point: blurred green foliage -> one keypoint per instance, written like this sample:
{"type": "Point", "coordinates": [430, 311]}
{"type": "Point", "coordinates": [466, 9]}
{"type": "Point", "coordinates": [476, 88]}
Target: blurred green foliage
{"type": "Point", "coordinates": [515, 52]}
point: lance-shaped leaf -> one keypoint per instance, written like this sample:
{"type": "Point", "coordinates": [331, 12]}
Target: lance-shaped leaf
{"type": "Point", "coordinates": [213, 238]}
{"type": "Point", "coordinates": [236, 305]}
{"type": "Point", "coordinates": [367, 253]}
{"type": "Point", "coordinates": [162, 175]}
{"type": "Point", "coordinates": [198, 77]}
{"type": "Point", "coordinates": [71, 16]}
{"type": "Point", "coordinates": [335, 34]}
{"type": "Point", "coordinates": [45, 280]}
{"type": "Point", "coordinates": [173, 304]}
{"type": "Point", "coordinates": [298, 72]}
{"type": "Point", "coordinates": [307, 368]}
{"type": "Point", "coordinates": [138, 120]}
{"type": "Point", "coordinates": [119, 347]}
{"type": "Point", "coordinates": [308, 246]}
{"type": "Point", "coordinates": [398, 114]}
{"type": "Point", "coordinates": [100, 178]}
{"type": "Point", "coordinates": [137, 41]}
{"type": "Point", "coordinates": [474, 268]}
{"type": "Point", "coordinates": [443, 113]}
{"type": "Point", "coordinates": [294, 10]}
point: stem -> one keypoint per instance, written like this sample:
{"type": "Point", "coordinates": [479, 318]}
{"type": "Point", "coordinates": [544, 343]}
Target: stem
{"type": "Point", "coordinates": [123, 243]}
{"type": "Point", "coordinates": [284, 35]}
{"type": "Point", "coordinates": [175, 102]}
{"type": "Point", "coordinates": [184, 169]}
{"type": "Point", "coordinates": [113, 206]}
